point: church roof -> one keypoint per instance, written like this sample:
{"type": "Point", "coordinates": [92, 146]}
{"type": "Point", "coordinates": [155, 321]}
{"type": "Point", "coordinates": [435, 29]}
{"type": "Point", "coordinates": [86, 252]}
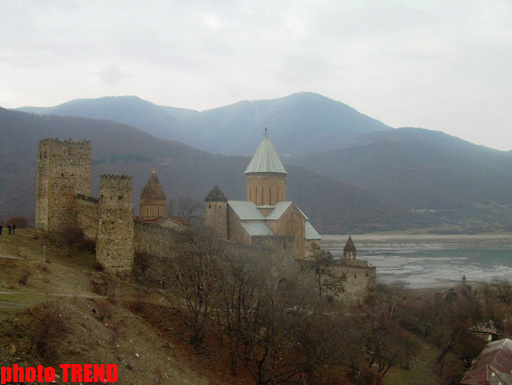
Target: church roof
{"type": "Point", "coordinates": [265, 159]}
{"type": "Point", "coordinates": [311, 233]}
{"type": "Point", "coordinates": [257, 228]}
{"type": "Point", "coordinates": [216, 195]}
{"type": "Point", "coordinates": [349, 246]}
{"type": "Point", "coordinates": [246, 211]}
{"type": "Point", "coordinates": [255, 223]}
{"type": "Point", "coordinates": [153, 190]}
{"type": "Point", "coordinates": [279, 210]}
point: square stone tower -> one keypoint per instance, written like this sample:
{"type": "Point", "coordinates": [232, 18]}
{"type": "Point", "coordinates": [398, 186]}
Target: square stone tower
{"type": "Point", "coordinates": [115, 248]}
{"type": "Point", "coordinates": [63, 170]}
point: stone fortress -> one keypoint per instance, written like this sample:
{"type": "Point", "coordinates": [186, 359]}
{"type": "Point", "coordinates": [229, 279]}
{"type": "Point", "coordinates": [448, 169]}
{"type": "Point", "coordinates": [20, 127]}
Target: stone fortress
{"type": "Point", "coordinates": [264, 221]}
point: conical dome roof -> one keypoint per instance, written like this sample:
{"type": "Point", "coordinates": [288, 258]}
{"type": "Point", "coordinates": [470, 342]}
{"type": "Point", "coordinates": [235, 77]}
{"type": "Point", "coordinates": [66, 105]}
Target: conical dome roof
{"type": "Point", "coordinates": [349, 246]}
{"type": "Point", "coordinates": [265, 159]}
{"type": "Point", "coordinates": [153, 190]}
{"type": "Point", "coordinates": [216, 195]}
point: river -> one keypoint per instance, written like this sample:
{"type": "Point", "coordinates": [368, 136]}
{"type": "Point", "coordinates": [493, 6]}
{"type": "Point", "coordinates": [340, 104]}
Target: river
{"type": "Point", "coordinates": [427, 260]}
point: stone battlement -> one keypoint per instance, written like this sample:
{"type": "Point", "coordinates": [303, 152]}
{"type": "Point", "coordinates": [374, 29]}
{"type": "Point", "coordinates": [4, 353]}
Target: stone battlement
{"type": "Point", "coordinates": [66, 142]}
{"type": "Point", "coordinates": [113, 177]}
{"type": "Point", "coordinates": [86, 198]}
{"type": "Point", "coordinates": [159, 228]}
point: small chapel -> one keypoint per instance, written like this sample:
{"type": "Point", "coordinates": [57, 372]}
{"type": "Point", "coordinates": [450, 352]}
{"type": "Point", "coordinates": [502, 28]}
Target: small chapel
{"type": "Point", "coordinates": [153, 206]}
{"type": "Point", "coordinates": [265, 217]}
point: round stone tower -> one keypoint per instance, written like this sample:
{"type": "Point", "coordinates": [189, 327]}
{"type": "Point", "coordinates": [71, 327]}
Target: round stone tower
{"type": "Point", "coordinates": [153, 202]}
{"type": "Point", "coordinates": [114, 248]}
{"type": "Point", "coordinates": [266, 176]}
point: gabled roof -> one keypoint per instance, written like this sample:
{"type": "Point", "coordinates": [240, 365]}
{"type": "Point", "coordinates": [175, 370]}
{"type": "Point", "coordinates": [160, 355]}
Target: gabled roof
{"type": "Point", "coordinates": [257, 228]}
{"type": "Point", "coordinates": [495, 358]}
{"type": "Point", "coordinates": [265, 159]}
{"type": "Point", "coordinates": [255, 223]}
{"type": "Point", "coordinates": [216, 195]}
{"type": "Point", "coordinates": [279, 209]}
{"type": "Point", "coordinates": [246, 211]}
{"type": "Point", "coordinates": [311, 233]}
{"type": "Point", "coordinates": [153, 190]}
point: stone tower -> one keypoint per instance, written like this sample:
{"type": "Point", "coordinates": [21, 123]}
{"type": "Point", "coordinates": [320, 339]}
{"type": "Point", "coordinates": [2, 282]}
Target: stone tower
{"type": "Point", "coordinates": [153, 202]}
{"type": "Point", "coordinates": [349, 251]}
{"type": "Point", "coordinates": [63, 170]}
{"type": "Point", "coordinates": [216, 212]}
{"type": "Point", "coordinates": [115, 248]}
{"type": "Point", "coordinates": [266, 176]}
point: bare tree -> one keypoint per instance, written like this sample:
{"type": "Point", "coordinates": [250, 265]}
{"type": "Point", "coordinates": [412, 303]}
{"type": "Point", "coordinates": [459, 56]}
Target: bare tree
{"type": "Point", "coordinates": [189, 208]}
{"type": "Point", "coordinates": [327, 278]}
{"type": "Point", "coordinates": [190, 279]}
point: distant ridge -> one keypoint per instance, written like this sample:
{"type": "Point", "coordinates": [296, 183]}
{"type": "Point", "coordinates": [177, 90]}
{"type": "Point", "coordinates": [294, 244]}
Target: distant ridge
{"type": "Point", "coordinates": [300, 123]}
{"type": "Point", "coordinates": [333, 206]}
{"type": "Point", "coordinates": [420, 168]}
{"type": "Point", "coordinates": [447, 179]}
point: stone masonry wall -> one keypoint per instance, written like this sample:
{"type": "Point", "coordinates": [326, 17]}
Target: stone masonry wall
{"type": "Point", "coordinates": [88, 215]}
{"type": "Point", "coordinates": [114, 247]}
{"type": "Point", "coordinates": [63, 170]}
{"type": "Point", "coordinates": [360, 280]}
{"type": "Point", "coordinates": [216, 218]}
{"type": "Point", "coordinates": [153, 239]}
{"type": "Point", "coordinates": [292, 222]}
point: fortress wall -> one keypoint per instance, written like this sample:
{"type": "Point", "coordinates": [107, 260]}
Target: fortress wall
{"type": "Point", "coordinates": [88, 214]}
{"type": "Point", "coordinates": [154, 240]}
{"type": "Point", "coordinates": [360, 280]}
{"type": "Point", "coordinates": [63, 170]}
{"type": "Point", "coordinates": [114, 247]}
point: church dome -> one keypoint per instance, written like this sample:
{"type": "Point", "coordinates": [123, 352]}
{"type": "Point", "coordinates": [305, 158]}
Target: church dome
{"type": "Point", "coordinates": [153, 191]}
{"type": "Point", "coordinates": [265, 160]}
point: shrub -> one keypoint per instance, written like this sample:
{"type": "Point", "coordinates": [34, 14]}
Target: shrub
{"type": "Point", "coordinates": [24, 276]}
{"type": "Point", "coordinates": [20, 221]}
{"type": "Point", "coordinates": [48, 326]}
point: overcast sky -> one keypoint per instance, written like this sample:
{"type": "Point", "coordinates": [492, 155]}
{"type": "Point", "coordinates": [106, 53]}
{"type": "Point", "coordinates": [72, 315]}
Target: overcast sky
{"type": "Point", "coordinates": [439, 64]}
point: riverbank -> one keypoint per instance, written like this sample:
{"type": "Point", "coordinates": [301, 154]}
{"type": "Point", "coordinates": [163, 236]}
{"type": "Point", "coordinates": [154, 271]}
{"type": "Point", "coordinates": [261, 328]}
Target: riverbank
{"type": "Point", "coordinates": [429, 260]}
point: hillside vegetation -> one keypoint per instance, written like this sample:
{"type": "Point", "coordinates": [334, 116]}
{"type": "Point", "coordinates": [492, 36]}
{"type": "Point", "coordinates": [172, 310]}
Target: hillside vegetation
{"type": "Point", "coordinates": [448, 180]}
{"type": "Point", "coordinates": [66, 312]}
{"type": "Point", "coordinates": [331, 205]}
{"type": "Point", "coordinates": [226, 318]}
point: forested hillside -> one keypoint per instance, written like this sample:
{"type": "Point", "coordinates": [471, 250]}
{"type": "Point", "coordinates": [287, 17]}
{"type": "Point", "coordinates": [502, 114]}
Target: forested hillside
{"type": "Point", "coordinates": [331, 205]}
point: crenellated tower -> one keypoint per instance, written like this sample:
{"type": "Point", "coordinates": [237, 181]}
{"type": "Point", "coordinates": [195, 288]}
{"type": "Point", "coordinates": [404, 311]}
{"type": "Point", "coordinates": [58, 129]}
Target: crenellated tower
{"type": "Point", "coordinates": [266, 176]}
{"type": "Point", "coordinates": [63, 170]}
{"type": "Point", "coordinates": [115, 248]}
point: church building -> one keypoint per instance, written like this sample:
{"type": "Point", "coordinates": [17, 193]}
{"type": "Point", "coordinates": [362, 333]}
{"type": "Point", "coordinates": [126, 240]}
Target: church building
{"type": "Point", "coordinates": [265, 216]}
{"type": "Point", "coordinates": [153, 206]}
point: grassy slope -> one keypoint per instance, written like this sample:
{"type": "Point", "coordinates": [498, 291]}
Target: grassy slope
{"type": "Point", "coordinates": [124, 338]}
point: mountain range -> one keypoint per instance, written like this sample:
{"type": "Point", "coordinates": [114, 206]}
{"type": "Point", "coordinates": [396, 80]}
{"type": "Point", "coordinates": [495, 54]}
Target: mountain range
{"type": "Point", "coordinates": [443, 179]}
{"type": "Point", "coordinates": [299, 123]}
{"type": "Point", "coordinates": [333, 206]}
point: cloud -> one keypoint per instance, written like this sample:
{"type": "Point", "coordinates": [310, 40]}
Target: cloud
{"type": "Point", "coordinates": [431, 63]}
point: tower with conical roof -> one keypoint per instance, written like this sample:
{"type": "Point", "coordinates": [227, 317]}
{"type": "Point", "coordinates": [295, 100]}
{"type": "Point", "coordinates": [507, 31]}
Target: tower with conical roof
{"type": "Point", "coordinates": [349, 251]}
{"type": "Point", "coordinates": [216, 212]}
{"type": "Point", "coordinates": [153, 202]}
{"type": "Point", "coordinates": [266, 176]}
